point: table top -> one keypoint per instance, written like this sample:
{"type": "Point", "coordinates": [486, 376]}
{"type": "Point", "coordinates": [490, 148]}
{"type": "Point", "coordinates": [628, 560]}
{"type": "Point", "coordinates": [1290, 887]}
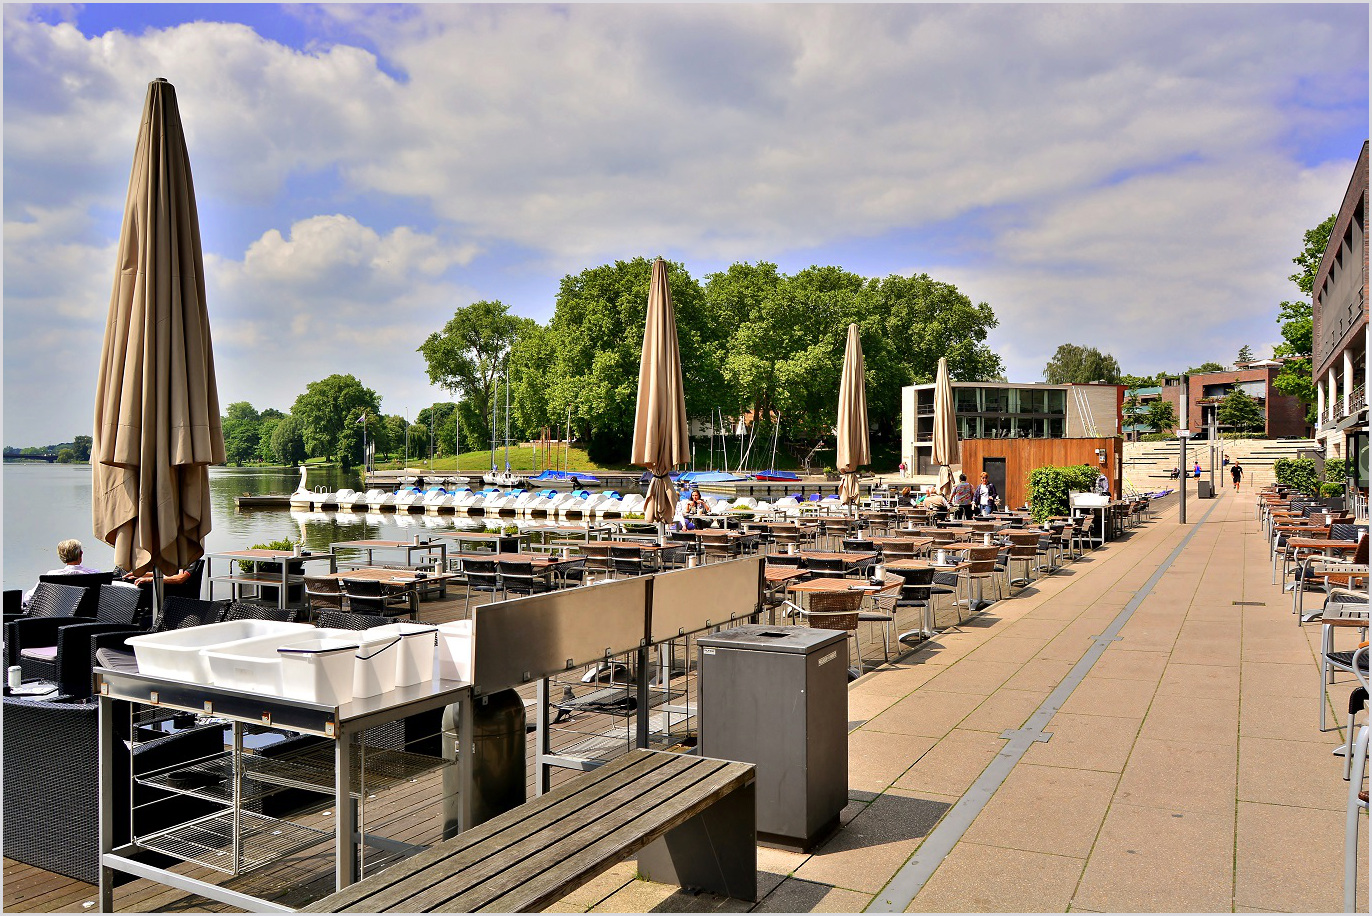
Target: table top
{"type": "Point", "coordinates": [1321, 542]}
{"type": "Point", "coordinates": [538, 559]}
{"type": "Point", "coordinates": [381, 574]}
{"type": "Point", "coordinates": [377, 543]}
{"type": "Point", "coordinates": [917, 563]}
{"type": "Point", "coordinates": [777, 574]}
{"type": "Point", "coordinates": [833, 585]}
{"type": "Point", "coordinates": [895, 540]}
{"type": "Point", "coordinates": [258, 553]}
{"type": "Point", "coordinates": [966, 545]}
{"type": "Point", "coordinates": [643, 544]}
{"type": "Point", "coordinates": [852, 557]}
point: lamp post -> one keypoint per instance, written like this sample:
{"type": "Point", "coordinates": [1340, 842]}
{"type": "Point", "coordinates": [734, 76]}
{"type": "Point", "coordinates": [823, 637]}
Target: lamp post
{"type": "Point", "coordinates": [1182, 436]}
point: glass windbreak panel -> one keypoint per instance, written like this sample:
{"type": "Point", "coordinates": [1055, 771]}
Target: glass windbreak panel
{"type": "Point", "coordinates": [1057, 401]}
{"type": "Point", "coordinates": [967, 400]}
{"type": "Point", "coordinates": [993, 400]}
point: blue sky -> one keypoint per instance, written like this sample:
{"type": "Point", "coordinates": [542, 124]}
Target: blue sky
{"type": "Point", "coordinates": [1134, 178]}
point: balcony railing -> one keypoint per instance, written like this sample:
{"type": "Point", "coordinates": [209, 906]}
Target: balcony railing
{"type": "Point", "coordinates": [1357, 399]}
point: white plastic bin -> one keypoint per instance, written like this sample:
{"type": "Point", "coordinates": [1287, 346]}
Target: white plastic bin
{"type": "Point", "coordinates": [455, 651]}
{"type": "Point", "coordinates": [177, 654]}
{"type": "Point", "coordinates": [374, 672]}
{"type": "Point", "coordinates": [250, 665]}
{"type": "Point", "coordinates": [418, 646]}
{"type": "Point", "coordinates": [319, 670]}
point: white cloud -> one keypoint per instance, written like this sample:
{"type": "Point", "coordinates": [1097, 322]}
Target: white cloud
{"type": "Point", "coordinates": [1129, 172]}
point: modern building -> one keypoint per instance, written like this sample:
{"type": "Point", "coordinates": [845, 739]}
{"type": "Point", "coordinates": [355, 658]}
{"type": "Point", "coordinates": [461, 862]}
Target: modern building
{"type": "Point", "coordinates": [1340, 328]}
{"type": "Point", "coordinates": [1006, 410]}
{"type": "Point", "coordinates": [1283, 414]}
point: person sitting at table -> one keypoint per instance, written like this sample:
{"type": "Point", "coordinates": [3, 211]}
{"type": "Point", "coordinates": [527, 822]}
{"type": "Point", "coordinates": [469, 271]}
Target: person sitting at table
{"type": "Point", "coordinates": [70, 553]}
{"type": "Point", "coordinates": [936, 501]}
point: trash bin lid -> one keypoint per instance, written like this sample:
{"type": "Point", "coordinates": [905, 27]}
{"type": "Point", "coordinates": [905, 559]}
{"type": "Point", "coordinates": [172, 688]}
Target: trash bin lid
{"type": "Point", "coordinates": [756, 637]}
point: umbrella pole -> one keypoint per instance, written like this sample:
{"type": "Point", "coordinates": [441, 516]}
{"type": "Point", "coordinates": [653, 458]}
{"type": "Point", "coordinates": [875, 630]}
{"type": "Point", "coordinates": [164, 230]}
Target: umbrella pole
{"type": "Point", "coordinates": [157, 594]}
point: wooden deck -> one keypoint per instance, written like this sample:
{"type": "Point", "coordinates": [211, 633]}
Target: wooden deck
{"type": "Point", "coordinates": [406, 812]}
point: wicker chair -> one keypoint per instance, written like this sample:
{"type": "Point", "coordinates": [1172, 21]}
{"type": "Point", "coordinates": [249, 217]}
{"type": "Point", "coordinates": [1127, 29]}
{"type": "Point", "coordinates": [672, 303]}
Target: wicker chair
{"type": "Point", "coordinates": [51, 599]}
{"type": "Point", "coordinates": [52, 775]}
{"type": "Point", "coordinates": [109, 650]}
{"type": "Point", "coordinates": [482, 575]}
{"type": "Point", "coordinates": [838, 611]}
{"type": "Point", "coordinates": [719, 546]}
{"type": "Point", "coordinates": [918, 592]}
{"type": "Point", "coordinates": [342, 620]}
{"type": "Point", "coordinates": [323, 592]}
{"type": "Point", "coordinates": [58, 649]}
{"type": "Point", "coordinates": [517, 577]}
{"type": "Point", "coordinates": [628, 561]}
{"type": "Point", "coordinates": [372, 595]}
{"type": "Point", "coordinates": [981, 567]}
{"type": "Point", "coordinates": [250, 610]}
{"type": "Point", "coordinates": [880, 607]}
{"type": "Point", "coordinates": [1024, 548]}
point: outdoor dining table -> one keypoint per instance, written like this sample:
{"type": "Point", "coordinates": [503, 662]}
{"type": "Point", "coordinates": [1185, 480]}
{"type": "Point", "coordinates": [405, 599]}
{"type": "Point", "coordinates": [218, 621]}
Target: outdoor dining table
{"type": "Point", "coordinates": [371, 545]}
{"type": "Point", "coordinates": [401, 581]}
{"type": "Point", "coordinates": [285, 559]}
{"type": "Point", "coordinates": [912, 543]}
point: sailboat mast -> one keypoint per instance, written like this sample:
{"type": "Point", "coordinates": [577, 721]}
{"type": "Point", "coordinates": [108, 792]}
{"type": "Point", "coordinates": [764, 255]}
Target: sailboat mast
{"type": "Point", "coordinates": [507, 421]}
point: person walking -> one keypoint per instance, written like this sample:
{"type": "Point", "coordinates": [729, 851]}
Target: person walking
{"type": "Point", "coordinates": [986, 495]}
{"type": "Point", "coordinates": [962, 498]}
{"type": "Point", "coordinates": [1197, 471]}
{"type": "Point", "coordinates": [1236, 472]}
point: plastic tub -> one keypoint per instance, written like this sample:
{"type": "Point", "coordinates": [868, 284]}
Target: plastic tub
{"type": "Point", "coordinates": [177, 654]}
{"type": "Point", "coordinates": [374, 671]}
{"type": "Point", "coordinates": [418, 646]}
{"type": "Point", "coordinates": [455, 651]}
{"type": "Point", "coordinates": [250, 665]}
{"type": "Point", "coordinates": [319, 670]}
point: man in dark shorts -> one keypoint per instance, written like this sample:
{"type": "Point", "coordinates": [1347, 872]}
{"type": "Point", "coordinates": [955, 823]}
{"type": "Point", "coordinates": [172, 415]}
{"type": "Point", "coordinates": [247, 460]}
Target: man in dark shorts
{"type": "Point", "coordinates": [1236, 472]}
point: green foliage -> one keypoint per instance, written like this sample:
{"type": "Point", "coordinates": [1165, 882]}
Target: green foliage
{"type": "Point", "coordinates": [1049, 487]}
{"type": "Point", "coordinates": [288, 441]}
{"type": "Point", "coordinates": [1245, 354]}
{"type": "Point", "coordinates": [1205, 367]}
{"type": "Point", "coordinates": [1237, 436]}
{"type": "Point", "coordinates": [1331, 489]}
{"type": "Point", "coordinates": [1297, 473]}
{"type": "Point", "coordinates": [242, 433]}
{"type": "Point", "coordinates": [1077, 365]}
{"type": "Point", "coordinates": [1335, 470]}
{"type": "Point", "coordinates": [66, 456]}
{"type": "Point", "coordinates": [329, 411]}
{"type": "Point", "coordinates": [468, 356]}
{"type": "Point", "coordinates": [1308, 260]}
{"type": "Point", "coordinates": [81, 445]}
{"type": "Point", "coordinates": [1161, 415]}
{"type": "Point", "coordinates": [1157, 437]}
{"type": "Point", "coordinates": [279, 544]}
{"type": "Point", "coordinates": [1240, 412]}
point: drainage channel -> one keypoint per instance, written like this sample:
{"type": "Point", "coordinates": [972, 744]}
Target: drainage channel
{"type": "Point", "coordinates": [911, 878]}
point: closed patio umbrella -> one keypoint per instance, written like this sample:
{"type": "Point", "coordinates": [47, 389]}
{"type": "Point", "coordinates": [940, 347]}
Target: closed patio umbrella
{"type": "Point", "coordinates": [945, 428]}
{"type": "Point", "coordinates": [853, 448]}
{"type": "Point", "coordinates": [660, 433]}
{"type": "Point", "coordinates": [157, 425]}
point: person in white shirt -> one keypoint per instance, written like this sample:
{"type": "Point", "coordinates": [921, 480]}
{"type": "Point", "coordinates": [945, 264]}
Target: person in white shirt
{"type": "Point", "coordinates": [70, 553]}
{"type": "Point", "coordinates": [986, 495]}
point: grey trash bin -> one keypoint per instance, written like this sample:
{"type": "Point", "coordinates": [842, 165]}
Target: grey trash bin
{"type": "Point", "coordinates": [1204, 490]}
{"type": "Point", "coordinates": [777, 697]}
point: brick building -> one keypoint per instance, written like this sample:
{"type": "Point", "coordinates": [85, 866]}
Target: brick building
{"type": "Point", "coordinates": [1284, 415]}
{"type": "Point", "coordinates": [1340, 328]}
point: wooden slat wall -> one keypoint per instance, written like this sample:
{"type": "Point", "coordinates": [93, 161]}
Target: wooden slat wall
{"type": "Point", "coordinates": [1024, 455]}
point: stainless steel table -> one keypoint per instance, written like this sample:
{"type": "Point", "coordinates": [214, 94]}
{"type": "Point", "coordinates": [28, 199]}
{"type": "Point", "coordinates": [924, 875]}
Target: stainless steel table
{"type": "Point", "coordinates": [119, 691]}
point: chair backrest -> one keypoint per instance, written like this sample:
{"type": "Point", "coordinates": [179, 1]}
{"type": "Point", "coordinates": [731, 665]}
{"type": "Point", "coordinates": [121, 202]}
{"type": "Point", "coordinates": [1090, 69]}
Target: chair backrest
{"type": "Point", "coordinates": [835, 602]}
{"type": "Point", "coordinates": [859, 545]}
{"type": "Point", "coordinates": [1345, 532]}
{"type": "Point", "coordinates": [322, 585]}
{"type": "Point", "coordinates": [178, 613]}
{"type": "Point", "coordinates": [982, 560]}
{"type": "Point", "coordinates": [118, 604]}
{"type": "Point", "coordinates": [884, 599]}
{"type": "Point", "coordinates": [918, 584]}
{"type": "Point", "coordinates": [51, 599]}
{"type": "Point", "coordinates": [362, 588]}
{"type": "Point", "coordinates": [191, 587]}
{"type": "Point", "coordinates": [825, 564]}
{"type": "Point", "coordinates": [627, 559]}
{"type": "Point", "coordinates": [80, 580]}
{"type": "Point", "coordinates": [249, 610]}
{"type": "Point", "coordinates": [341, 620]}
{"type": "Point", "coordinates": [481, 573]}
{"type": "Point", "coordinates": [784, 559]}
{"type": "Point", "coordinates": [1360, 555]}
{"type": "Point", "coordinates": [832, 621]}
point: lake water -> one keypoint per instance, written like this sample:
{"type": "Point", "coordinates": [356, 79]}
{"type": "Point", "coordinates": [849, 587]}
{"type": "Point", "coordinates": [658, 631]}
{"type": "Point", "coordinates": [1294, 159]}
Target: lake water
{"type": "Point", "coordinates": [47, 503]}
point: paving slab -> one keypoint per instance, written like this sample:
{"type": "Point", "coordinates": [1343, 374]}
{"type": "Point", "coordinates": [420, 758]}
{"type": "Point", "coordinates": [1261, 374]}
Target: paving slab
{"type": "Point", "coordinates": [992, 879]}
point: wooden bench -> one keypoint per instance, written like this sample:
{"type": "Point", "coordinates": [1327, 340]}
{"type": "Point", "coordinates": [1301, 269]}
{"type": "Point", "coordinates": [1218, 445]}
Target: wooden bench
{"type": "Point", "coordinates": [691, 820]}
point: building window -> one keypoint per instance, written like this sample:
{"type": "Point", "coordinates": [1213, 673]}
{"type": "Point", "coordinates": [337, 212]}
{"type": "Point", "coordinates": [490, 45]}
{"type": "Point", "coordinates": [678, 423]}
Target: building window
{"type": "Point", "coordinates": [967, 400]}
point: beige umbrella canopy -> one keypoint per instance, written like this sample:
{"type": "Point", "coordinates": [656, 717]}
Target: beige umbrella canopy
{"type": "Point", "coordinates": [853, 447]}
{"type": "Point", "coordinates": [945, 428]}
{"type": "Point", "coordinates": [156, 402]}
{"type": "Point", "coordinates": [660, 433]}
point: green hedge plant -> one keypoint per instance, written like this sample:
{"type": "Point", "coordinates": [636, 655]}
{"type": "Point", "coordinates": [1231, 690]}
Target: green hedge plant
{"type": "Point", "coordinates": [1298, 474]}
{"type": "Point", "coordinates": [1049, 488]}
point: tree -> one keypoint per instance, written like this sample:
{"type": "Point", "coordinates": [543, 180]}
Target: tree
{"type": "Point", "coordinates": [1205, 367]}
{"type": "Point", "coordinates": [441, 415]}
{"type": "Point", "coordinates": [1245, 355]}
{"type": "Point", "coordinates": [468, 355]}
{"type": "Point", "coordinates": [1240, 412]}
{"type": "Point", "coordinates": [1076, 365]}
{"type": "Point", "coordinates": [1314, 243]}
{"type": "Point", "coordinates": [82, 447]}
{"type": "Point", "coordinates": [1297, 322]}
{"type": "Point", "coordinates": [1161, 416]}
{"type": "Point", "coordinates": [66, 456]}
{"type": "Point", "coordinates": [288, 441]}
{"type": "Point", "coordinates": [329, 411]}
{"type": "Point", "coordinates": [395, 426]}
{"type": "Point", "coordinates": [241, 433]}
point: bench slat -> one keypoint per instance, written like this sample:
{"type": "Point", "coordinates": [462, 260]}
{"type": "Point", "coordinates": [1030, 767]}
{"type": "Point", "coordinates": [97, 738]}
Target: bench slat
{"type": "Point", "coordinates": [618, 772]}
{"type": "Point", "coordinates": [575, 871]}
{"type": "Point", "coordinates": [525, 861]}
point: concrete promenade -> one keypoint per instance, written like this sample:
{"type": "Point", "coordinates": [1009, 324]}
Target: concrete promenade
{"type": "Point", "coordinates": [1186, 771]}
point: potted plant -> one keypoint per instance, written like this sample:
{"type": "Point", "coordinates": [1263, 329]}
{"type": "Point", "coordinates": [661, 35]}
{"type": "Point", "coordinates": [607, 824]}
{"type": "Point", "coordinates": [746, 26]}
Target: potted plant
{"type": "Point", "coordinates": [831, 473]}
{"type": "Point", "coordinates": [270, 570]}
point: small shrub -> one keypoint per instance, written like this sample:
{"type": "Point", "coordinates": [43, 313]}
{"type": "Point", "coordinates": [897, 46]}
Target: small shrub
{"type": "Point", "coordinates": [1298, 474]}
{"type": "Point", "coordinates": [1232, 436]}
{"type": "Point", "coordinates": [1335, 469]}
{"type": "Point", "coordinates": [1157, 437]}
{"type": "Point", "coordinates": [1330, 489]}
{"type": "Point", "coordinates": [1049, 488]}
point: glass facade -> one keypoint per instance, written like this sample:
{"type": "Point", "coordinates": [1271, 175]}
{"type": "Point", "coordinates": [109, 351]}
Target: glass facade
{"type": "Point", "coordinates": [1011, 413]}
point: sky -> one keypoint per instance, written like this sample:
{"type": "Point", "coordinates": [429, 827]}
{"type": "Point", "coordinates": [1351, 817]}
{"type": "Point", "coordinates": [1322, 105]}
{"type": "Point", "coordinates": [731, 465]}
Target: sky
{"type": "Point", "coordinates": [1131, 177]}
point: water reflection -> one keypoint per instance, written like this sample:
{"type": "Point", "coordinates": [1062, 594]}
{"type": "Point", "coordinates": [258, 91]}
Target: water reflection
{"type": "Point", "coordinates": [45, 504]}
